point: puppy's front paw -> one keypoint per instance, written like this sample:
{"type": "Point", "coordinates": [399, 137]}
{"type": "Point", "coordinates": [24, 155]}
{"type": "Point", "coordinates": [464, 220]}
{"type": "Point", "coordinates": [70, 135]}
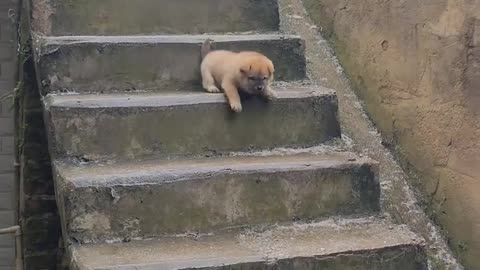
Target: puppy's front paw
{"type": "Point", "coordinates": [236, 106]}
{"type": "Point", "coordinates": [270, 95]}
{"type": "Point", "coordinates": [212, 89]}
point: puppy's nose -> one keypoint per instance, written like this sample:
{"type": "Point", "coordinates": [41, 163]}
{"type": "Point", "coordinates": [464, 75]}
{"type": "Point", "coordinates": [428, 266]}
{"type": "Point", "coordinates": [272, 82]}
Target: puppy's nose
{"type": "Point", "coordinates": [260, 88]}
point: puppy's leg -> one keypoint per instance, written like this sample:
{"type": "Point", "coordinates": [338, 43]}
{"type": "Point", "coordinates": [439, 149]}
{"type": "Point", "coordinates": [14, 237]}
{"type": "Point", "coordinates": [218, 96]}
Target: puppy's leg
{"type": "Point", "coordinates": [208, 82]}
{"type": "Point", "coordinates": [269, 94]}
{"type": "Point", "coordinates": [231, 92]}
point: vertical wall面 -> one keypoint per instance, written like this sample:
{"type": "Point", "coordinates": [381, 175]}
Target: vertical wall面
{"type": "Point", "coordinates": [38, 215]}
{"type": "Point", "coordinates": [415, 65]}
{"type": "Point", "coordinates": [7, 171]}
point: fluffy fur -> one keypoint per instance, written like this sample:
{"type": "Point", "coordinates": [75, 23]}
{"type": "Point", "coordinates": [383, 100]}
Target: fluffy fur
{"type": "Point", "coordinates": [250, 72]}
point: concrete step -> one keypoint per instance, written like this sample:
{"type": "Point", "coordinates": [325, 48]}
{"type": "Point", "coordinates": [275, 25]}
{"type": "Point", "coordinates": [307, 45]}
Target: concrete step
{"type": "Point", "coordinates": [103, 202]}
{"type": "Point", "coordinates": [150, 63]}
{"type": "Point", "coordinates": [127, 17]}
{"type": "Point", "coordinates": [132, 126]}
{"type": "Point", "coordinates": [360, 244]}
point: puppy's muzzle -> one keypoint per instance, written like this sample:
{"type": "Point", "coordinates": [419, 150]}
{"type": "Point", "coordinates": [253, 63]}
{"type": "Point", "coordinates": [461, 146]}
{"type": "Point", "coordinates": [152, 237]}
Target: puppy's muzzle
{"type": "Point", "coordinates": [259, 88]}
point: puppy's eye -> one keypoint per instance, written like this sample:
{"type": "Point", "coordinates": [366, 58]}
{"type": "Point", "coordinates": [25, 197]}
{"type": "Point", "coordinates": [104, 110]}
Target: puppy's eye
{"type": "Point", "coordinates": [264, 78]}
{"type": "Point", "coordinates": [251, 78]}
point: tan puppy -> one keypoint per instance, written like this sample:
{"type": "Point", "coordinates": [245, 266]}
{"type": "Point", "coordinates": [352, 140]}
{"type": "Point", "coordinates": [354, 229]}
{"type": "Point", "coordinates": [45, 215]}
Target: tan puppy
{"type": "Point", "coordinates": [250, 72]}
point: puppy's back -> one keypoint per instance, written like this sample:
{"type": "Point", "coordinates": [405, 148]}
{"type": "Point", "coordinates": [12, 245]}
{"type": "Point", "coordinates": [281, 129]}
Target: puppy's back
{"type": "Point", "coordinates": [221, 63]}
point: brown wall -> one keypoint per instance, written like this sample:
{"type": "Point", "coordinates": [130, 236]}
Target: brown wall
{"type": "Point", "coordinates": [416, 64]}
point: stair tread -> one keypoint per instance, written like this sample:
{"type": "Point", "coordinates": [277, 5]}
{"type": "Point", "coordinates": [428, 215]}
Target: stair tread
{"type": "Point", "coordinates": [151, 198]}
{"type": "Point", "coordinates": [154, 16]}
{"type": "Point", "coordinates": [187, 124]}
{"type": "Point", "coordinates": [326, 238]}
{"type": "Point", "coordinates": [139, 99]}
{"type": "Point", "coordinates": [166, 171]}
{"type": "Point", "coordinates": [134, 39]}
{"type": "Point", "coordinates": [89, 64]}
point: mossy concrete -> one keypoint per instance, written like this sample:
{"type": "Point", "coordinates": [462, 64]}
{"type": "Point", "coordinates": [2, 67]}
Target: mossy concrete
{"type": "Point", "coordinates": [132, 126]}
{"type": "Point", "coordinates": [152, 63]}
{"type": "Point", "coordinates": [102, 202]}
{"type": "Point", "coordinates": [126, 17]}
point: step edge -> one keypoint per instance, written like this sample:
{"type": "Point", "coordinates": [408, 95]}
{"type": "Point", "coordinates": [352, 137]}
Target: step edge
{"type": "Point", "coordinates": [171, 172]}
{"type": "Point", "coordinates": [124, 100]}
{"type": "Point", "coordinates": [46, 41]}
{"type": "Point", "coordinates": [408, 240]}
{"type": "Point", "coordinates": [260, 259]}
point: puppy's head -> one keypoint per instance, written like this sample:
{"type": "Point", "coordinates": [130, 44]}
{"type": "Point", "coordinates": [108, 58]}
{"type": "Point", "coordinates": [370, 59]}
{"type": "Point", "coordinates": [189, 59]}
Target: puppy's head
{"type": "Point", "coordinates": [256, 74]}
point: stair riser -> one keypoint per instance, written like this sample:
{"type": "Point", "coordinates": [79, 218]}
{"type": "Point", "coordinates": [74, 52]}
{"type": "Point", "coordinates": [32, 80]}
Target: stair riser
{"type": "Point", "coordinates": [151, 66]}
{"type": "Point", "coordinates": [126, 17]}
{"type": "Point", "coordinates": [394, 258]}
{"type": "Point", "coordinates": [196, 129]}
{"type": "Point", "coordinates": [211, 200]}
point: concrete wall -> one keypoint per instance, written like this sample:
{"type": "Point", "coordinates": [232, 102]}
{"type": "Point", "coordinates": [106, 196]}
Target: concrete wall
{"type": "Point", "coordinates": [7, 83]}
{"type": "Point", "coordinates": [37, 206]}
{"type": "Point", "coordinates": [38, 213]}
{"type": "Point", "coordinates": [38, 210]}
{"type": "Point", "coordinates": [416, 64]}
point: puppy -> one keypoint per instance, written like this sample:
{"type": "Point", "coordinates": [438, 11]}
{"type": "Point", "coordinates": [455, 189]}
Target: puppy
{"type": "Point", "coordinates": [247, 71]}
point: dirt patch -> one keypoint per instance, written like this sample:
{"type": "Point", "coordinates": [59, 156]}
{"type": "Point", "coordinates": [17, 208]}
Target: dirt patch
{"type": "Point", "coordinates": [41, 12]}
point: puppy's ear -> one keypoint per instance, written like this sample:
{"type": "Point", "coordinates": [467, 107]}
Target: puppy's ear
{"type": "Point", "coordinates": [245, 69]}
{"type": "Point", "coordinates": [270, 67]}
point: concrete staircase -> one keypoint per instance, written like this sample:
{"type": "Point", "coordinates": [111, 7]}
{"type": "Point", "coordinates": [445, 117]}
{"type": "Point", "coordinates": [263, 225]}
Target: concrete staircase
{"type": "Point", "coordinates": [153, 173]}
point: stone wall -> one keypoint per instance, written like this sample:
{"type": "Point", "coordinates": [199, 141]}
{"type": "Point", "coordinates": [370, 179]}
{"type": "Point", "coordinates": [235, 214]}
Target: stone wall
{"type": "Point", "coordinates": [7, 157]}
{"type": "Point", "coordinates": [416, 65]}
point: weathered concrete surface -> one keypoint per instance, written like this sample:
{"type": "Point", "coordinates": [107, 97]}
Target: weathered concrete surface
{"type": "Point", "coordinates": [102, 202]}
{"type": "Point", "coordinates": [126, 17]}
{"type": "Point", "coordinates": [152, 63]}
{"type": "Point", "coordinates": [415, 64]}
{"type": "Point", "coordinates": [360, 244]}
{"type": "Point", "coordinates": [132, 126]}
{"type": "Point", "coordinates": [397, 198]}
